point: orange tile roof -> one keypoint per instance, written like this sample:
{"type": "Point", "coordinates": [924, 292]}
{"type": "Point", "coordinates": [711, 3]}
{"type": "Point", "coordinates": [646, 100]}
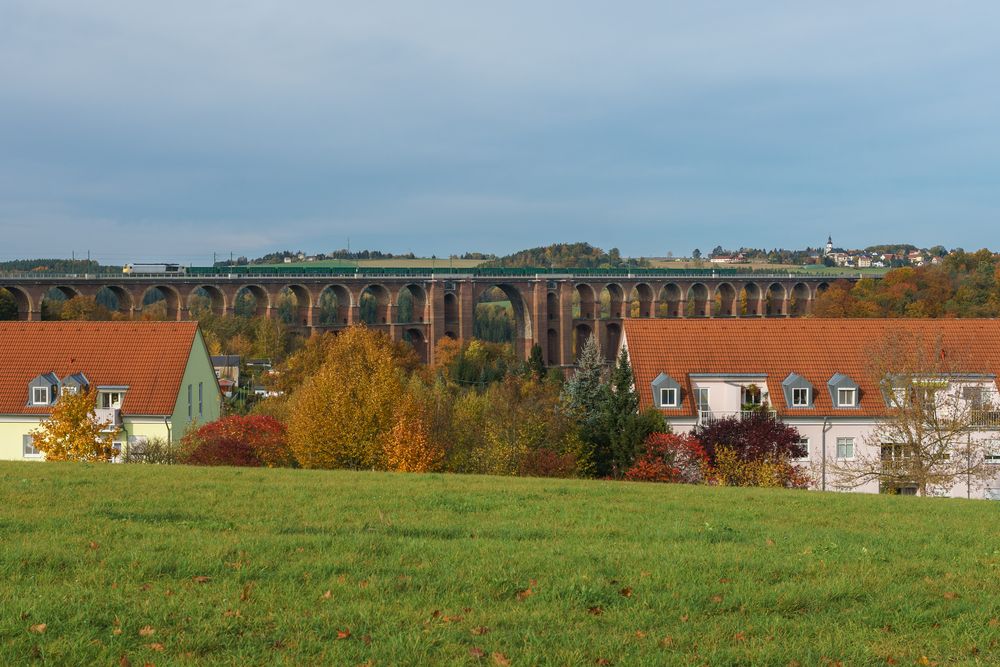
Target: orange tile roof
{"type": "Point", "coordinates": [815, 348]}
{"type": "Point", "coordinates": [148, 357]}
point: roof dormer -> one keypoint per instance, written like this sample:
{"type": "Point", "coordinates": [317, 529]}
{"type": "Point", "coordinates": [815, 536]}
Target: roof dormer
{"type": "Point", "coordinates": [799, 392]}
{"type": "Point", "coordinates": [666, 392]}
{"type": "Point", "coordinates": [43, 390]}
{"type": "Point", "coordinates": [75, 384]}
{"type": "Point", "coordinates": [844, 391]}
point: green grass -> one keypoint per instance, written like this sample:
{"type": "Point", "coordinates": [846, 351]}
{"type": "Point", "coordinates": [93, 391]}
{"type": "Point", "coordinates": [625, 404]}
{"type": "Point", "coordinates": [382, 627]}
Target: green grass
{"type": "Point", "coordinates": [560, 572]}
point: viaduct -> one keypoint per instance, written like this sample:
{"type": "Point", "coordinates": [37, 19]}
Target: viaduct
{"type": "Point", "coordinates": [556, 311]}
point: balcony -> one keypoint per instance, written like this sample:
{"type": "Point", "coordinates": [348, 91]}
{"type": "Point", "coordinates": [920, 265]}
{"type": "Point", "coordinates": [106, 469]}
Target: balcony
{"type": "Point", "coordinates": [706, 417]}
{"type": "Point", "coordinates": [110, 416]}
{"type": "Point", "coordinates": [989, 419]}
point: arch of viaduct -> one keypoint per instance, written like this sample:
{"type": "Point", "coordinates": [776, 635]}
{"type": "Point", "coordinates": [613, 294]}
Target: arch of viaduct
{"type": "Point", "coordinates": [558, 312]}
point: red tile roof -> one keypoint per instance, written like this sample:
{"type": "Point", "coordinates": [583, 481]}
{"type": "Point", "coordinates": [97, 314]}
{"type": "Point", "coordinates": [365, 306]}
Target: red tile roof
{"type": "Point", "coordinates": [815, 348]}
{"type": "Point", "coordinates": [148, 357]}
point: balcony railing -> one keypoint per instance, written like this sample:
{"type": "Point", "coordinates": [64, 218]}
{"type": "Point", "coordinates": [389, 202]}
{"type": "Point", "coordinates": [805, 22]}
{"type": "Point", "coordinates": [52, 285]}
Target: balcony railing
{"type": "Point", "coordinates": [711, 416]}
{"type": "Point", "coordinates": [986, 418]}
{"type": "Point", "coordinates": [110, 416]}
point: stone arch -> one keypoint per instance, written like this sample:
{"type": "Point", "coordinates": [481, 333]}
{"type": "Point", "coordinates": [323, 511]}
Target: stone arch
{"type": "Point", "coordinates": [415, 337]}
{"type": "Point", "coordinates": [521, 313]}
{"type": "Point", "coordinates": [612, 337]}
{"type": "Point", "coordinates": [450, 308]}
{"type": "Point", "coordinates": [612, 298]}
{"type": "Point", "coordinates": [777, 300]}
{"type": "Point", "coordinates": [724, 302]}
{"type": "Point", "coordinates": [698, 304]}
{"type": "Point", "coordinates": [800, 302]}
{"type": "Point", "coordinates": [641, 301]}
{"type": "Point", "coordinates": [375, 304]}
{"type": "Point", "coordinates": [552, 305]}
{"type": "Point", "coordinates": [333, 306]}
{"type": "Point", "coordinates": [581, 332]}
{"type": "Point", "coordinates": [585, 306]}
{"type": "Point", "coordinates": [123, 302]}
{"type": "Point", "coordinates": [822, 287]}
{"type": "Point", "coordinates": [165, 293]}
{"type": "Point", "coordinates": [751, 301]}
{"type": "Point", "coordinates": [261, 305]}
{"type": "Point", "coordinates": [216, 298]}
{"type": "Point", "coordinates": [552, 347]}
{"type": "Point", "coordinates": [417, 306]}
{"type": "Point", "coordinates": [22, 300]}
{"type": "Point", "coordinates": [293, 304]}
{"type": "Point", "coordinates": [671, 301]}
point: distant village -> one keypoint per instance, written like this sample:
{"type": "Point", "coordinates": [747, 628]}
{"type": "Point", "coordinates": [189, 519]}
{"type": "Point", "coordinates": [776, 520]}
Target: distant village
{"type": "Point", "coordinates": [885, 256]}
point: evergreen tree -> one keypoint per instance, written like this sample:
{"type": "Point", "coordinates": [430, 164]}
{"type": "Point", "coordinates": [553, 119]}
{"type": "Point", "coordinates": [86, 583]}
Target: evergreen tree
{"type": "Point", "coordinates": [623, 427]}
{"type": "Point", "coordinates": [536, 366]}
{"type": "Point", "coordinates": [585, 390]}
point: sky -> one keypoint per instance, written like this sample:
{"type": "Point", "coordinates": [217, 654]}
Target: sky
{"type": "Point", "coordinates": [174, 130]}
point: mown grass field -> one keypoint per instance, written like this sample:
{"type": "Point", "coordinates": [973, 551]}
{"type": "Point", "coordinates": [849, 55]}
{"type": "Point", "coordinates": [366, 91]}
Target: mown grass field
{"type": "Point", "coordinates": [226, 566]}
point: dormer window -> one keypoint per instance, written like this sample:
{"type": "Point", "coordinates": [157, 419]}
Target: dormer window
{"type": "Point", "coordinates": [668, 397]}
{"type": "Point", "coordinates": [110, 399]}
{"type": "Point", "coordinates": [847, 398]}
{"type": "Point", "coordinates": [801, 397]}
{"type": "Point", "coordinates": [68, 390]}
{"type": "Point", "coordinates": [752, 395]}
{"type": "Point", "coordinates": [40, 396]}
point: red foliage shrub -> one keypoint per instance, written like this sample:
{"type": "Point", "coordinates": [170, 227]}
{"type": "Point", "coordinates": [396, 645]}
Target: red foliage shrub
{"type": "Point", "coordinates": [547, 463]}
{"type": "Point", "coordinates": [670, 458]}
{"type": "Point", "coordinates": [754, 438]}
{"type": "Point", "coordinates": [254, 440]}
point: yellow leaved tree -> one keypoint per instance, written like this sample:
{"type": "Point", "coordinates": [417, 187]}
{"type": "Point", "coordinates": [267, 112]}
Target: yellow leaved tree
{"type": "Point", "coordinates": [72, 432]}
{"type": "Point", "coordinates": [409, 446]}
{"type": "Point", "coordinates": [341, 414]}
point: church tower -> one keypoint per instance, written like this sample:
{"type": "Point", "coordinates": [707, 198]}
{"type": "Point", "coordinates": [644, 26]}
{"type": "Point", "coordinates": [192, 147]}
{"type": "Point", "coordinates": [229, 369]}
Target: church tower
{"type": "Point", "coordinates": [829, 245]}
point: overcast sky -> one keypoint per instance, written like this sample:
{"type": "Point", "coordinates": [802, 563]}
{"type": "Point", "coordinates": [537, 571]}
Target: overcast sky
{"type": "Point", "coordinates": [172, 130]}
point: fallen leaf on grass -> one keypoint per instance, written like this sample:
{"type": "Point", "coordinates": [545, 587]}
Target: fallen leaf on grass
{"type": "Point", "coordinates": [602, 661]}
{"type": "Point", "coordinates": [684, 618]}
{"type": "Point", "coordinates": [145, 587]}
{"type": "Point", "coordinates": [452, 619]}
{"type": "Point", "coordinates": [994, 622]}
{"type": "Point", "coordinates": [716, 599]}
{"type": "Point", "coordinates": [769, 542]}
{"type": "Point", "coordinates": [38, 628]}
{"type": "Point", "coordinates": [667, 642]}
{"type": "Point", "coordinates": [146, 631]}
{"type": "Point", "coordinates": [640, 634]}
{"type": "Point", "coordinates": [480, 631]}
{"type": "Point", "coordinates": [116, 631]}
{"type": "Point", "coordinates": [327, 594]}
{"type": "Point", "coordinates": [739, 636]}
{"type": "Point", "coordinates": [156, 646]}
{"type": "Point", "coordinates": [595, 610]}
{"type": "Point", "coordinates": [232, 613]}
{"type": "Point", "coordinates": [363, 583]}
{"type": "Point", "coordinates": [501, 659]}
{"type": "Point", "coordinates": [889, 660]}
{"type": "Point", "coordinates": [344, 634]}
{"type": "Point", "coordinates": [245, 595]}
{"type": "Point", "coordinates": [367, 640]}
{"type": "Point", "coordinates": [201, 579]}
{"type": "Point", "coordinates": [626, 592]}
{"type": "Point", "coordinates": [477, 652]}
{"type": "Point", "coordinates": [124, 661]}
{"type": "Point", "coordinates": [94, 546]}
{"type": "Point", "coordinates": [951, 595]}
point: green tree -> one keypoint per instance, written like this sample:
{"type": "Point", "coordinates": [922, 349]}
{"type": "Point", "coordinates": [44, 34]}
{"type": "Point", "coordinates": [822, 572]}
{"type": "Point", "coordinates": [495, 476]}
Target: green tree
{"type": "Point", "coordinates": [536, 365]}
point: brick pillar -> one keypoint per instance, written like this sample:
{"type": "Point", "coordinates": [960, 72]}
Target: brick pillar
{"type": "Point", "coordinates": [539, 318]}
{"type": "Point", "coordinates": [466, 308]}
{"type": "Point", "coordinates": [565, 323]}
{"type": "Point", "coordinates": [434, 317]}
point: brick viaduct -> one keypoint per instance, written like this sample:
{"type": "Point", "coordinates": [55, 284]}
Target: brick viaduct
{"type": "Point", "coordinates": [558, 312]}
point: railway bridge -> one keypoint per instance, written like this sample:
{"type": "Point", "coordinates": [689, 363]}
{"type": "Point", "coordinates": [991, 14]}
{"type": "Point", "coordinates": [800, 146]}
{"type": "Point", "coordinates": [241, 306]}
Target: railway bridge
{"type": "Point", "coordinates": [557, 311]}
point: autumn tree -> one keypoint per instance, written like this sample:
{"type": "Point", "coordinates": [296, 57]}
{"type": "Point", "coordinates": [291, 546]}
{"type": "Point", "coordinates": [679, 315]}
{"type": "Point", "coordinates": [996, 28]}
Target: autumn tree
{"type": "Point", "coordinates": [340, 415]}
{"type": "Point", "coordinates": [238, 440]}
{"type": "Point", "coordinates": [409, 446]}
{"type": "Point", "coordinates": [73, 432]}
{"type": "Point", "coordinates": [929, 438]}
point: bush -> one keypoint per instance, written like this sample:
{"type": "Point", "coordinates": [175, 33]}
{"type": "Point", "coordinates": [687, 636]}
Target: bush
{"type": "Point", "coordinates": [238, 440]}
{"type": "Point", "coordinates": [670, 458]}
{"type": "Point", "coordinates": [155, 451]}
{"type": "Point", "coordinates": [547, 463]}
{"type": "Point", "coordinates": [730, 470]}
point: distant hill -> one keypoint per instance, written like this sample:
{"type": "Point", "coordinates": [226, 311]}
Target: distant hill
{"type": "Point", "coordinates": [55, 265]}
{"type": "Point", "coordinates": [561, 255]}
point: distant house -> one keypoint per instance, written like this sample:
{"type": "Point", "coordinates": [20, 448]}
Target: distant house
{"type": "Point", "coordinates": [727, 259]}
{"type": "Point", "coordinates": [152, 379]}
{"type": "Point", "coordinates": [864, 261]}
{"type": "Point", "coordinates": [814, 374]}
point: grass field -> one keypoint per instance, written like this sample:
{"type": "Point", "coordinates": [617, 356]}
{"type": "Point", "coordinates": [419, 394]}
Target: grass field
{"type": "Point", "coordinates": [234, 567]}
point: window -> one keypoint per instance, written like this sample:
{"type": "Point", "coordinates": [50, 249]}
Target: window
{"type": "Point", "coordinates": [845, 448]}
{"type": "Point", "coordinates": [201, 399]}
{"type": "Point", "coordinates": [111, 400]}
{"type": "Point", "coordinates": [668, 397]}
{"type": "Point", "coordinates": [701, 394]}
{"type": "Point", "coordinates": [68, 390]}
{"type": "Point", "coordinates": [190, 403]}
{"type": "Point", "coordinates": [39, 395]}
{"type": "Point", "coordinates": [28, 448]}
{"type": "Point", "coordinates": [800, 397]}
{"type": "Point", "coordinates": [847, 398]}
{"type": "Point", "coordinates": [752, 395]}
{"type": "Point", "coordinates": [993, 453]}
{"type": "Point", "coordinates": [804, 443]}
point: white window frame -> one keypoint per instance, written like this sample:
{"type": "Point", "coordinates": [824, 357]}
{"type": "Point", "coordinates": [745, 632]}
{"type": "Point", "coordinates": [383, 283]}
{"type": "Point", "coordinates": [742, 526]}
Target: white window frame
{"type": "Point", "coordinates": [190, 403]}
{"type": "Point", "coordinates": [201, 400]}
{"type": "Point", "coordinates": [34, 396]}
{"type": "Point", "coordinates": [845, 441]}
{"type": "Point", "coordinates": [672, 403]}
{"type": "Point", "coordinates": [706, 405]}
{"type": "Point", "coordinates": [849, 391]}
{"type": "Point", "coordinates": [105, 400]}
{"type": "Point", "coordinates": [68, 390]}
{"type": "Point", "coordinates": [795, 394]}
{"type": "Point", "coordinates": [804, 441]}
{"type": "Point", "coordinates": [28, 442]}
{"type": "Point", "coordinates": [992, 456]}
{"type": "Point", "coordinates": [747, 397]}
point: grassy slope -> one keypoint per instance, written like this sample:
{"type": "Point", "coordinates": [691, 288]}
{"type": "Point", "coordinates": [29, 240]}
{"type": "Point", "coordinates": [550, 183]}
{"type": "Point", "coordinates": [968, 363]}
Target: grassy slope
{"type": "Point", "coordinates": [415, 563]}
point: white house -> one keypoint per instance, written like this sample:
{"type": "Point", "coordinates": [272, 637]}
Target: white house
{"type": "Point", "coordinates": [816, 375]}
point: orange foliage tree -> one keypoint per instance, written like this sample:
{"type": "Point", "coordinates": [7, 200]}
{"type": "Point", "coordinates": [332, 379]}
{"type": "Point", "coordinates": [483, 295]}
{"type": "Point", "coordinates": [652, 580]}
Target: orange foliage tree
{"type": "Point", "coordinates": [341, 414]}
{"type": "Point", "coordinates": [72, 432]}
{"type": "Point", "coordinates": [408, 446]}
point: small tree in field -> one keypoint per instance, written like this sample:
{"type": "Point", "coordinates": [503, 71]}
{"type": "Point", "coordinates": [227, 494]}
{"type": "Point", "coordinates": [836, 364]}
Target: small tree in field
{"type": "Point", "coordinates": [927, 438]}
{"type": "Point", "coordinates": [239, 440]}
{"type": "Point", "coordinates": [408, 445]}
{"type": "Point", "coordinates": [72, 432]}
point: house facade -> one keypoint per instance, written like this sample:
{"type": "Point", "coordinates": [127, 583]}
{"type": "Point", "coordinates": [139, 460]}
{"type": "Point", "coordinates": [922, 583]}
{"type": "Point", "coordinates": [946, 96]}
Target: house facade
{"type": "Point", "coordinates": [818, 376]}
{"type": "Point", "coordinates": [152, 379]}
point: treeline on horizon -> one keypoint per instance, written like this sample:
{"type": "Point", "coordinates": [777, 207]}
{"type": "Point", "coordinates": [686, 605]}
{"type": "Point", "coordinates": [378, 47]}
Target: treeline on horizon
{"type": "Point", "coordinates": [963, 285]}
